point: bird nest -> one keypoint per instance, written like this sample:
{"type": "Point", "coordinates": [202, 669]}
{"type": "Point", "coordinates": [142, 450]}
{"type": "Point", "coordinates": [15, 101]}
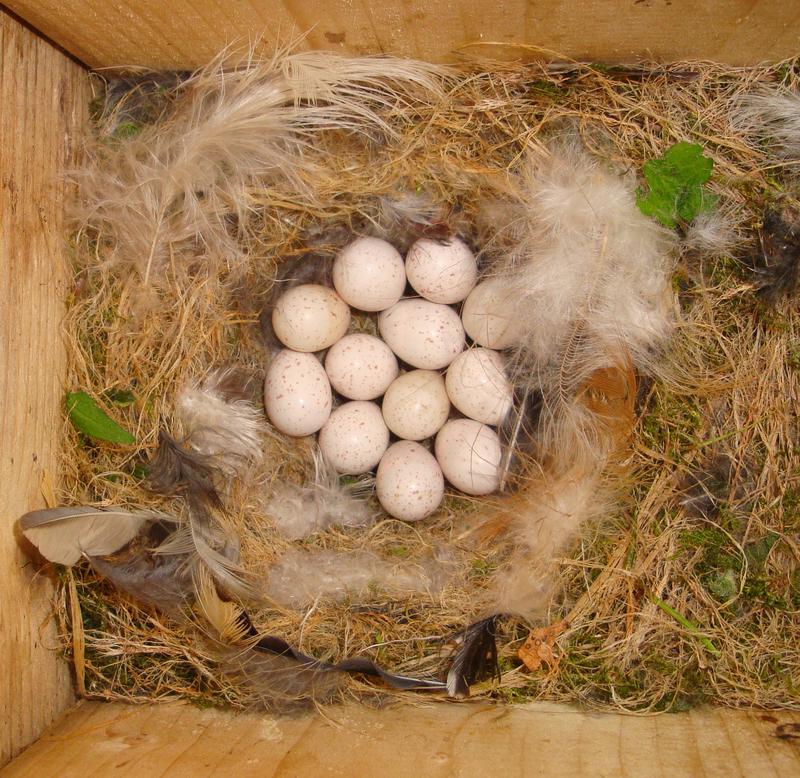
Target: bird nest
{"type": "Point", "coordinates": [680, 585]}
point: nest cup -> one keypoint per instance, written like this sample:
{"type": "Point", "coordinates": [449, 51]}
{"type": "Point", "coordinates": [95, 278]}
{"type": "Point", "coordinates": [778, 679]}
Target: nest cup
{"type": "Point", "coordinates": [420, 152]}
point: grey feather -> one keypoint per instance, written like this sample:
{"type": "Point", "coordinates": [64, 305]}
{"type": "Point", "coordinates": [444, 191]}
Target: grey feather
{"type": "Point", "coordinates": [164, 582]}
{"type": "Point", "coordinates": [62, 535]}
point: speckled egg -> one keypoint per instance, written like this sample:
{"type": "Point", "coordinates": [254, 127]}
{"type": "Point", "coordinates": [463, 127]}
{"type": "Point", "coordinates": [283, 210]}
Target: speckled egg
{"type": "Point", "coordinates": [422, 333]}
{"type": "Point", "coordinates": [297, 394]}
{"type": "Point", "coordinates": [409, 482]}
{"type": "Point", "coordinates": [354, 437]}
{"type": "Point", "coordinates": [369, 274]}
{"type": "Point", "coordinates": [477, 385]}
{"type": "Point", "coordinates": [310, 317]}
{"type": "Point", "coordinates": [488, 315]}
{"type": "Point", "coordinates": [469, 454]}
{"type": "Point", "coordinates": [360, 366]}
{"type": "Point", "coordinates": [415, 405]}
{"type": "Point", "coordinates": [442, 271]}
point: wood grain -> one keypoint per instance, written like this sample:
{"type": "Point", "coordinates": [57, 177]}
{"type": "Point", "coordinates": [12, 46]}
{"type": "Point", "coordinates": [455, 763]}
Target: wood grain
{"type": "Point", "coordinates": [185, 33]}
{"type": "Point", "coordinates": [436, 741]}
{"type": "Point", "coordinates": [43, 100]}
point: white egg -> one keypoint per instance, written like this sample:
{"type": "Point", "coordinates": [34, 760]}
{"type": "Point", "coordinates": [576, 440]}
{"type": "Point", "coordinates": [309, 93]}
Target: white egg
{"type": "Point", "coordinates": [409, 482]}
{"type": "Point", "coordinates": [489, 315]}
{"type": "Point", "coordinates": [477, 385]}
{"type": "Point", "coordinates": [360, 366]}
{"type": "Point", "coordinates": [415, 406]}
{"type": "Point", "coordinates": [354, 437]}
{"type": "Point", "coordinates": [422, 333]}
{"type": "Point", "coordinates": [369, 274]}
{"type": "Point", "coordinates": [469, 454]}
{"type": "Point", "coordinates": [442, 272]}
{"type": "Point", "coordinates": [297, 394]}
{"type": "Point", "coordinates": [310, 317]}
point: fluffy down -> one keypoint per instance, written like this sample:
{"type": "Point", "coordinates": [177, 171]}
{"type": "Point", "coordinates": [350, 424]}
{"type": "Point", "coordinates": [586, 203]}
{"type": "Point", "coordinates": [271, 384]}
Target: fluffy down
{"type": "Point", "coordinates": [544, 522]}
{"type": "Point", "coordinates": [327, 500]}
{"type": "Point", "coordinates": [172, 200]}
{"type": "Point", "coordinates": [588, 277]}
{"type": "Point", "coordinates": [298, 578]}
{"type": "Point", "coordinates": [715, 233]}
{"type": "Point", "coordinates": [219, 423]}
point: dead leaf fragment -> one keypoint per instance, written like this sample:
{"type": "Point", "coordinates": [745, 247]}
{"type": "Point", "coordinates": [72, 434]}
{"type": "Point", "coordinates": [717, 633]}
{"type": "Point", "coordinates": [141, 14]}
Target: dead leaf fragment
{"type": "Point", "coordinates": [538, 648]}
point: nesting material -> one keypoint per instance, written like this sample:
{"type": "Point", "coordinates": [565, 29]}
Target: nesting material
{"type": "Point", "coordinates": [648, 379]}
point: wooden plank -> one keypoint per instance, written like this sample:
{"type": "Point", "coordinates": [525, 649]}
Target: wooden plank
{"type": "Point", "coordinates": [186, 33]}
{"type": "Point", "coordinates": [435, 740]}
{"type": "Point", "coordinates": [44, 98]}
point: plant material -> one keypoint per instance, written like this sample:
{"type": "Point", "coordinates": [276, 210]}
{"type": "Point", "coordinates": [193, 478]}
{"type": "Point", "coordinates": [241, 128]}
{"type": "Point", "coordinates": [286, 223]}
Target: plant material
{"type": "Point", "coordinates": [739, 409]}
{"type": "Point", "coordinates": [91, 420]}
{"type": "Point", "coordinates": [686, 624]}
{"type": "Point", "coordinates": [538, 647]}
{"type": "Point", "coordinates": [675, 183]}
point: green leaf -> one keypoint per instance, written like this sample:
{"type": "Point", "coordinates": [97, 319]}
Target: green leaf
{"type": "Point", "coordinates": [91, 420]}
{"type": "Point", "coordinates": [121, 397]}
{"type": "Point", "coordinates": [675, 182]}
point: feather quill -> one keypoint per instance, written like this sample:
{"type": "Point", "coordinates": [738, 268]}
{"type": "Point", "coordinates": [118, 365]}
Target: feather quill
{"type": "Point", "coordinates": [63, 535]}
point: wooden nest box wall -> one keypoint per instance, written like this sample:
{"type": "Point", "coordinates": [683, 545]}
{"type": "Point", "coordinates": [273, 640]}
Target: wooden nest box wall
{"type": "Point", "coordinates": [47, 49]}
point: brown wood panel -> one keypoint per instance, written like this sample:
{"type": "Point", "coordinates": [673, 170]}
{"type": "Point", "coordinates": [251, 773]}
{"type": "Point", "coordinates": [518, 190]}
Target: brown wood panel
{"type": "Point", "coordinates": [184, 33]}
{"type": "Point", "coordinates": [436, 740]}
{"type": "Point", "coordinates": [43, 101]}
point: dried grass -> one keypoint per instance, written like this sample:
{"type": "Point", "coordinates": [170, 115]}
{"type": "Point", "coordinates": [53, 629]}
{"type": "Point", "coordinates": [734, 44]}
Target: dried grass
{"type": "Point", "coordinates": [711, 529]}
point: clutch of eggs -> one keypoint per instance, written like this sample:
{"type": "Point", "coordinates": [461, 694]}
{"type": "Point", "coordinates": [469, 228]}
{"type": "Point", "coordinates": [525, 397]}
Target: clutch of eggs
{"type": "Point", "coordinates": [411, 382]}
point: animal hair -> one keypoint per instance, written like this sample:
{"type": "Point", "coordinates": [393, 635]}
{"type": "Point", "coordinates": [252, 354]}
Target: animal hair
{"type": "Point", "coordinates": [771, 116]}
